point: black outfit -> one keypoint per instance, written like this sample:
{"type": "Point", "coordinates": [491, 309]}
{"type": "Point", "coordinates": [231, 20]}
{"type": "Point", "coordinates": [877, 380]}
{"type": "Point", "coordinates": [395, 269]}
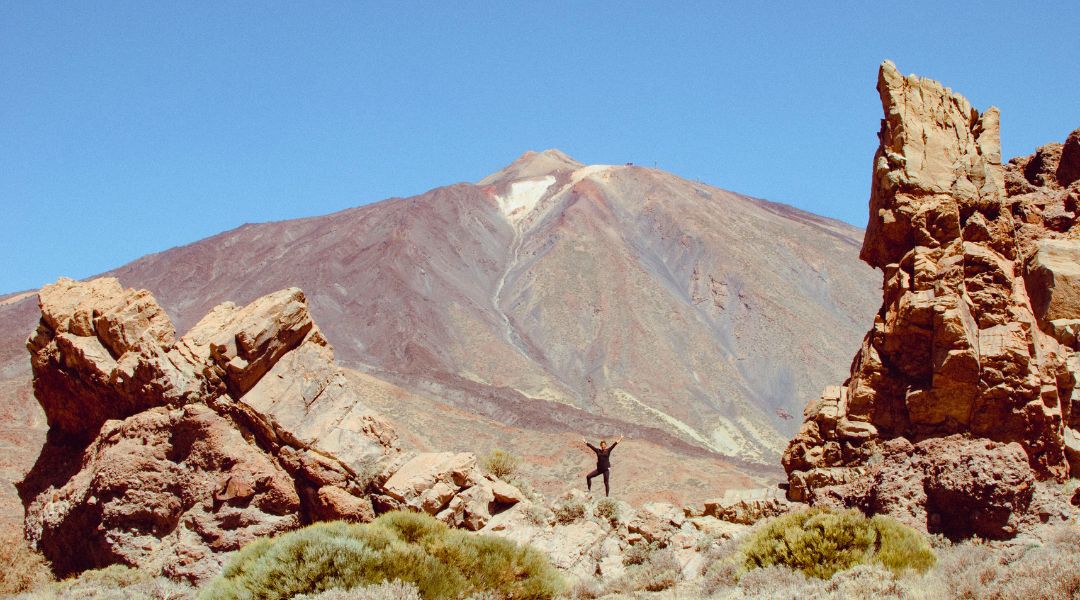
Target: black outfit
{"type": "Point", "coordinates": [603, 466]}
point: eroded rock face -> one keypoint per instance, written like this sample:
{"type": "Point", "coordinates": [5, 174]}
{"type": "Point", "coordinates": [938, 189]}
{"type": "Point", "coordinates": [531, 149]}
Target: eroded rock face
{"type": "Point", "coordinates": [956, 347]}
{"type": "Point", "coordinates": [165, 453]}
{"type": "Point", "coordinates": [449, 486]}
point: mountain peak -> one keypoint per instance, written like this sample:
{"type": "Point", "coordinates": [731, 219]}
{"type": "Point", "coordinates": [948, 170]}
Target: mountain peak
{"type": "Point", "coordinates": [533, 164]}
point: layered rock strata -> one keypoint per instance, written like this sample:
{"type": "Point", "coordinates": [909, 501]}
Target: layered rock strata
{"type": "Point", "coordinates": [961, 349]}
{"type": "Point", "coordinates": [165, 452]}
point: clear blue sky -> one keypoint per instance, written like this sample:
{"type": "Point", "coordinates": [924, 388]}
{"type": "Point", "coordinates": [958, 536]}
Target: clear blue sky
{"type": "Point", "coordinates": [129, 128]}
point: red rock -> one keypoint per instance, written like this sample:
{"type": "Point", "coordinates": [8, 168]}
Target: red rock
{"type": "Point", "coordinates": [165, 453]}
{"type": "Point", "coordinates": [957, 347]}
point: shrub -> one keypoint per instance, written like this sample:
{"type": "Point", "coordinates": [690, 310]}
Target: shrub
{"type": "Point", "coordinates": [115, 582]}
{"type": "Point", "coordinates": [569, 512]}
{"type": "Point", "coordinates": [821, 542]}
{"type": "Point", "coordinates": [21, 568]}
{"type": "Point", "coordinates": [586, 589]}
{"type": "Point", "coordinates": [501, 464]}
{"type": "Point", "coordinates": [410, 547]}
{"type": "Point", "coordinates": [536, 514]}
{"type": "Point", "coordinates": [387, 590]}
{"type": "Point", "coordinates": [779, 582]}
{"type": "Point", "coordinates": [658, 573]}
{"type": "Point", "coordinates": [637, 554]}
{"type": "Point", "coordinates": [719, 575]}
{"type": "Point", "coordinates": [608, 510]}
{"type": "Point", "coordinates": [972, 570]}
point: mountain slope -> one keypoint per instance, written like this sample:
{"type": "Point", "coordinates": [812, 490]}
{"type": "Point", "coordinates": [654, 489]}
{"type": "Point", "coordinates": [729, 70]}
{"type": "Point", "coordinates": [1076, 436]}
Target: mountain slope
{"type": "Point", "coordinates": [619, 290]}
{"type": "Point", "coordinates": [553, 296]}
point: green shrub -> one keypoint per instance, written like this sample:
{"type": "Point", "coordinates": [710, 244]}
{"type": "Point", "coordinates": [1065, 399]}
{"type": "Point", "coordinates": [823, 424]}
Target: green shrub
{"type": "Point", "coordinates": [410, 547]}
{"type": "Point", "coordinates": [501, 464]}
{"type": "Point", "coordinates": [569, 512]}
{"type": "Point", "coordinates": [608, 510]}
{"type": "Point", "coordinates": [21, 569]}
{"type": "Point", "coordinates": [821, 542]}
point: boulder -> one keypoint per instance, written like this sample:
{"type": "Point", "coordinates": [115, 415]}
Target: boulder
{"type": "Point", "coordinates": [1053, 279]}
{"type": "Point", "coordinates": [656, 522]}
{"type": "Point", "coordinates": [746, 507]}
{"type": "Point", "coordinates": [430, 480]}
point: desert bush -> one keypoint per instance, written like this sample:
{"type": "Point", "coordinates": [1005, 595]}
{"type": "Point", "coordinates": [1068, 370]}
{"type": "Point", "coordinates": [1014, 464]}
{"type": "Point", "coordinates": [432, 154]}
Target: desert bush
{"type": "Point", "coordinates": [387, 590]}
{"type": "Point", "coordinates": [639, 553]}
{"type": "Point", "coordinates": [866, 582]}
{"type": "Point", "coordinates": [409, 547]}
{"type": "Point", "coordinates": [719, 575]}
{"type": "Point", "coordinates": [777, 581]}
{"type": "Point", "coordinates": [659, 572]}
{"type": "Point", "coordinates": [21, 568]}
{"type": "Point", "coordinates": [974, 571]}
{"type": "Point", "coordinates": [501, 464]}
{"type": "Point", "coordinates": [820, 542]}
{"type": "Point", "coordinates": [536, 514]}
{"type": "Point", "coordinates": [569, 512]}
{"type": "Point", "coordinates": [586, 589]}
{"type": "Point", "coordinates": [608, 510]}
{"type": "Point", "coordinates": [116, 582]}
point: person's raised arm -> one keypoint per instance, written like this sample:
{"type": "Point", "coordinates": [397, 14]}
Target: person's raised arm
{"type": "Point", "coordinates": [612, 447]}
{"type": "Point", "coordinates": [591, 447]}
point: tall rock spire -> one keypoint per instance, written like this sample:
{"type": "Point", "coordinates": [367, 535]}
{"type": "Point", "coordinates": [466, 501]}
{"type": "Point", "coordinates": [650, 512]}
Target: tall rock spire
{"type": "Point", "coordinates": [955, 347]}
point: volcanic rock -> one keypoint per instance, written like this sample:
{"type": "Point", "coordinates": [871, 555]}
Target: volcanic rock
{"type": "Point", "coordinates": [956, 347]}
{"type": "Point", "coordinates": [165, 453]}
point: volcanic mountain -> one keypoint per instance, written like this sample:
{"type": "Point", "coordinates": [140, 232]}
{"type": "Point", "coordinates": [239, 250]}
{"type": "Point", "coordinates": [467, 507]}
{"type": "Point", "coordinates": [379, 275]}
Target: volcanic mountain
{"type": "Point", "coordinates": [549, 298]}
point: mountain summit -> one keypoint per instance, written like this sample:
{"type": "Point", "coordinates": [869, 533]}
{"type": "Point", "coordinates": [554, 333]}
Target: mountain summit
{"type": "Point", "coordinates": [533, 164]}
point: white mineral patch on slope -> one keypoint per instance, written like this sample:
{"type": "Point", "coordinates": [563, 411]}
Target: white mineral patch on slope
{"type": "Point", "coordinates": [742, 437]}
{"type": "Point", "coordinates": [523, 197]}
{"type": "Point", "coordinates": [584, 172]}
{"type": "Point", "coordinates": [627, 398]}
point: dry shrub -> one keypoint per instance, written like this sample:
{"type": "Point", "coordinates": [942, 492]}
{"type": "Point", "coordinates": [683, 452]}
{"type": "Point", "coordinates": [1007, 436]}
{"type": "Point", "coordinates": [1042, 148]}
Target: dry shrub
{"type": "Point", "coordinates": [607, 510]}
{"type": "Point", "coordinates": [779, 582]}
{"type": "Point", "coordinates": [569, 512]}
{"type": "Point", "coordinates": [535, 514]}
{"type": "Point", "coordinates": [115, 582]}
{"type": "Point", "coordinates": [659, 572]}
{"type": "Point", "coordinates": [866, 582]}
{"type": "Point", "coordinates": [21, 568]}
{"type": "Point", "coordinates": [974, 571]}
{"type": "Point", "coordinates": [387, 590]}
{"type": "Point", "coordinates": [586, 589]}
{"type": "Point", "coordinates": [501, 464]}
{"type": "Point", "coordinates": [719, 575]}
{"type": "Point", "coordinates": [639, 553]}
{"type": "Point", "coordinates": [820, 542]}
{"type": "Point", "coordinates": [411, 547]}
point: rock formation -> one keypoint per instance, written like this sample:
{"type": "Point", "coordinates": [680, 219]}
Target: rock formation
{"type": "Point", "coordinates": [960, 376]}
{"type": "Point", "coordinates": [165, 453]}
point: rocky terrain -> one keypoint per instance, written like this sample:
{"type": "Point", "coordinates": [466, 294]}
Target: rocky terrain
{"type": "Point", "coordinates": [166, 453]}
{"type": "Point", "coordinates": [961, 397]}
{"type": "Point", "coordinates": [548, 301]}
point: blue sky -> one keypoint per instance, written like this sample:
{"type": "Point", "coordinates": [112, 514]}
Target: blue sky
{"type": "Point", "coordinates": [130, 128]}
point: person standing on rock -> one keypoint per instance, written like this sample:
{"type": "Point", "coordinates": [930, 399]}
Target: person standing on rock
{"type": "Point", "coordinates": [603, 463]}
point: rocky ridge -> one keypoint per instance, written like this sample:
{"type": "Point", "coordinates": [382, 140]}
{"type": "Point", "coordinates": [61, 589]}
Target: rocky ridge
{"type": "Point", "coordinates": [165, 453]}
{"type": "Point", "coordinates": [961, 396]}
